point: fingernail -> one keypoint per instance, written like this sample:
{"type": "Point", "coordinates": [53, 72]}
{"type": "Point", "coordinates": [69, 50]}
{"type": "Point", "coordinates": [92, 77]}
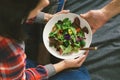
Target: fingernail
{"type": "Point", "coordinates": [83, 55]}
{"type": "Point", "coordinates": [82, 14]}
{"type": "Point", "coordinates": [68, 10]}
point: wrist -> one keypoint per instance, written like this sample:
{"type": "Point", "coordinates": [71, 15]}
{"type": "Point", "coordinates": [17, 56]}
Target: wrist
{"type": "Point", "coordinates": [60, 66]}
{"type": "Point", "coordinates": [112, 9]}
{"type": "Point", "coordinates": [105, 14]}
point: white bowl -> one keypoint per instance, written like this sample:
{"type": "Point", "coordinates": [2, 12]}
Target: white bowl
{"type": "Point", "coordinates": [51, 23]}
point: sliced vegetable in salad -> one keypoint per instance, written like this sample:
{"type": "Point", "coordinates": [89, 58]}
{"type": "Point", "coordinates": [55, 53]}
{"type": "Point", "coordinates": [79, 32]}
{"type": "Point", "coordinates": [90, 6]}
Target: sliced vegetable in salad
{"type": "Point", "coordinates": [67, 36]}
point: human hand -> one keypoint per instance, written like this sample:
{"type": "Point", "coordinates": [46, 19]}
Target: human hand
{"type": "Point", "coordinates": [95, 18]}
{"type": "Point", "coordinates": [71, 63]}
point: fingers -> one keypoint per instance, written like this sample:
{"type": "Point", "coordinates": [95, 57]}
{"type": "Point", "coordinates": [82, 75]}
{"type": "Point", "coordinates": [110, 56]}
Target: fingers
{"type": "Point", "coordinates": [81, 59]}
{"type": "Point", "coordinates": [83, 56]}
{"type": "Point", "coordinates": [86, 53]}
{"type": "Point", "coordinates": [64, 12]}
{"type": "Point", "coordinates": [87, 16]}
{"type": "Point", "coordinates": [83, 15]}
{"type": "Point", "coordinates": [76, 62]}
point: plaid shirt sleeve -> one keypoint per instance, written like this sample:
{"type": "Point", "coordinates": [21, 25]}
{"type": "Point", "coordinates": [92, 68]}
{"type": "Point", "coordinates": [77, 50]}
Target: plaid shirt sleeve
{"type": "Point", "coordinates": [12, 63]}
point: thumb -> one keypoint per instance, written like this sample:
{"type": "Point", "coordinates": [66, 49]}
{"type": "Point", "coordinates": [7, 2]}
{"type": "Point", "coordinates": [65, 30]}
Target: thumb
{"type": "Point", "coordinates": [65, 11]}
{"type": "Point", "coordinates": [83, 15]}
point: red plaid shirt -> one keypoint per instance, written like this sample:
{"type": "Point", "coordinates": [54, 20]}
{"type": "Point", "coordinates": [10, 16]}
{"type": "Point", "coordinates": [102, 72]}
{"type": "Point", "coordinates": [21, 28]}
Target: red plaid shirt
{"type": "Point", "coordinates": [12, 63]}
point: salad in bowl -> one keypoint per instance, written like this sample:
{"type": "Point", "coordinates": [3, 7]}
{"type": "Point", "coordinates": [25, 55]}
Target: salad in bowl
{"type": "Point", "coordinates": [65, 34]}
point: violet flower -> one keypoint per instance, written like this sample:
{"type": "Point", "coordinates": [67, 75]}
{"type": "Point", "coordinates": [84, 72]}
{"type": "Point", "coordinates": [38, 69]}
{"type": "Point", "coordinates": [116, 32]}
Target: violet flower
{"type": "Point", "coordinates": [67, 36]}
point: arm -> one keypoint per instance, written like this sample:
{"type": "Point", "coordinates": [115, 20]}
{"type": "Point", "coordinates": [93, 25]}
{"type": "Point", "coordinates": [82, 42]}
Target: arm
{"type": "Point", "coordinates": [12, 64]}
{"type": "Point", "coordinates": [97, 18]}
{"type": "Point", "coordinates": [42, 4]}
{"type": "Point", "coordinates": [112, 9]}
{"type": "Point", "coordinates": [36, 16]}
{"type": "Point", "coordinates": [42, 17]}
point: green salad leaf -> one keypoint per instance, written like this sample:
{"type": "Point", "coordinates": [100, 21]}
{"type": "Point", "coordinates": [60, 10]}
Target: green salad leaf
{"type": "Point", "coordinates": [67, 37]}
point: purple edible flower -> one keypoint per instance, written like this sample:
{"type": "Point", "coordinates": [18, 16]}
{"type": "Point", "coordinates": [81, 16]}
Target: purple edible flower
{"type": "Point", "coordinates": [67, 36]}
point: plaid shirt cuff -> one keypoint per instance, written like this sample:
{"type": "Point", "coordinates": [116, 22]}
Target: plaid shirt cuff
{"type": "Point", "coordinates": [50, 69]}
